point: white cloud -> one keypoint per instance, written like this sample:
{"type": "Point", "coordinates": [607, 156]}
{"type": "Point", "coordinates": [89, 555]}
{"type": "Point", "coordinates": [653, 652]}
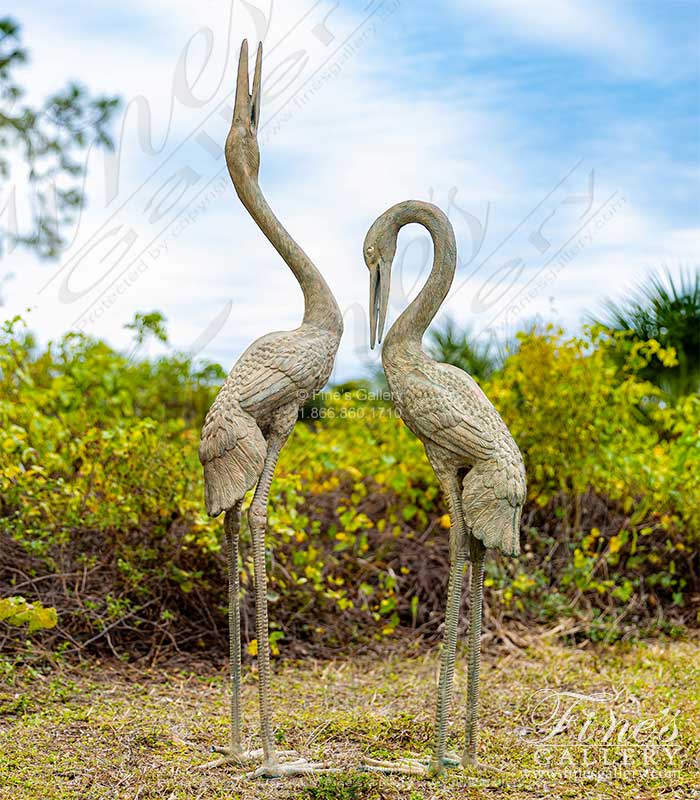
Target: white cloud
{"type": "Point", "coordinates": [338, 161]}
{"type": "Point", "coordinates": [589, 27]}
{"type": "Point", "coordinates": [361, 142]}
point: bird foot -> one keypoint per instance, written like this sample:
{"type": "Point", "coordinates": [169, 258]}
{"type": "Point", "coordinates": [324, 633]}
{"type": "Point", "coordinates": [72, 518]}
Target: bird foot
{"type": "Point", "coordinates": [240, 758]}
{"type": "Point", "coordinates": [289, 769]}
{"type": "Point", "coordinates": [424, 767]}
{"type": "Point", "coordinates": [470, 763]}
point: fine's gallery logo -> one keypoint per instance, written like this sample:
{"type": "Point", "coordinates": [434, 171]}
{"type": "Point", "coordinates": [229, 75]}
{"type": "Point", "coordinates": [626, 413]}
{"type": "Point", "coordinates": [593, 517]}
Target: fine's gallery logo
{"type": "Point", "coordinates": [600, 733]}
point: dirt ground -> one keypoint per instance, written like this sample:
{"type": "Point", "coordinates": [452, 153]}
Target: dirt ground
{"type": "Point", "coordinates": [615, 722]}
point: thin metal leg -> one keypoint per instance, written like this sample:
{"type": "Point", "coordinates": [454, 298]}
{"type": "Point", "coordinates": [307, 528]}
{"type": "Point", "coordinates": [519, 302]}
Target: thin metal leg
{"type": "Point", "coordinates": [234, 753]}
{"type": "Point", "coordinates": [476, 592]}
{"type": "Point", "coordinates": [232, 523]}
{"type": "Point", "coordinates": [272, 766]}
{"type": "Point", "coordinates": [459, 539]}
{"type": "Point", "coordinates": [258, 523]}
{"type": "Point", "coordinates": [447, 666]}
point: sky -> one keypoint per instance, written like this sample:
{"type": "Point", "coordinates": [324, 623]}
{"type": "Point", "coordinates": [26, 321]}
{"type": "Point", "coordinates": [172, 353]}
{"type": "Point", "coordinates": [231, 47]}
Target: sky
{"type": "Point", "coordinates": [561, 137]}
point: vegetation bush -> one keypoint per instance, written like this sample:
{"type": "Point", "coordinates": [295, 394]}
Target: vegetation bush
{"type": "Point", "coordinates": [102, 517]}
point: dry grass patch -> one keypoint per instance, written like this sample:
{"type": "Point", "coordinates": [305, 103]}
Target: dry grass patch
{"type": "Point", "coordinates": [113, 731]}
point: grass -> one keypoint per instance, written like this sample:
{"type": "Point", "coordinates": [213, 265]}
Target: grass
{"type": "Point", "coordinates": [108, 730]}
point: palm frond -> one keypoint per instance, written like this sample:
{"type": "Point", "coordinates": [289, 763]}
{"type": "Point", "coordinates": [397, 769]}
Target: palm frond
{"type": "Point", "coordinates": [665, 307]}
{"type": "Point", "coordinates": [452, 344]}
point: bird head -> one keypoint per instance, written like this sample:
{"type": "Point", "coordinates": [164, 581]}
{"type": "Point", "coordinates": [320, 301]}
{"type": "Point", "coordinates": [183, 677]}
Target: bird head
{"type": "Point", "coordinates": [242, 152]}
{"type": "Point", "coordinates": [379, 249]}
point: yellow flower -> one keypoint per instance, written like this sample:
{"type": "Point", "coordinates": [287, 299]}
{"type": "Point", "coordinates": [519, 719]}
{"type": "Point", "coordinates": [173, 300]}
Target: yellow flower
{"type": "Point", "coordinates": [253, 647]}
{"type": "Point", "coordinates": [445, 521]}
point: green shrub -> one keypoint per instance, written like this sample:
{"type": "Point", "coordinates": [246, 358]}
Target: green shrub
{"type": "Point", "coordinates": [17, 611]}
{"type": "Point", "coordinates": [102, 517]}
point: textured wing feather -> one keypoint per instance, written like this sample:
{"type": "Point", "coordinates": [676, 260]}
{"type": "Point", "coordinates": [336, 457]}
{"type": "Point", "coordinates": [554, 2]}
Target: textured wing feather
{"type": "Point", "coordinates": [278, 370]}
{"type": "Point", "coordinates": [447, 409]}
{"type": "Point", "coordinates": [493, 494]}
{"type": "Point", "coordinates": [282, 366]}
{"type": "Point", "coordinates": [458, 418]}
{"type": "Point", "coordinates": [232, 452]}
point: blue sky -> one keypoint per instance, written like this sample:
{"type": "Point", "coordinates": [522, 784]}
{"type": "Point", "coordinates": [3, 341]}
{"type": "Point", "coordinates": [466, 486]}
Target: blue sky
{"type": "Point", "coordinates": [560, 135]}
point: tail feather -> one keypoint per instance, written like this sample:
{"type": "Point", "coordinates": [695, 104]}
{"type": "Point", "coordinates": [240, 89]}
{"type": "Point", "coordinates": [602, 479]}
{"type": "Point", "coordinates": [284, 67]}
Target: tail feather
{"type": "Point", "coordinates": [232, 452]}
{"type": "Point", "coordinates": [493, 494]}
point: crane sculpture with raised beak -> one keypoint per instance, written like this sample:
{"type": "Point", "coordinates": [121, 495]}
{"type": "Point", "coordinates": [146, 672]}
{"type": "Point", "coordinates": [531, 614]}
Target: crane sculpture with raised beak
{"type": "Point", "coordinates": [254, 414]}
{"type": "Point", "coordinates": [467, 443]}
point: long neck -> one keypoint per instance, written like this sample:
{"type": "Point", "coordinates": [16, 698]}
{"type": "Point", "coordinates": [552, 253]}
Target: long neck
{"type": "Point", "coordinates": [407, 332]}
{"type": "Point", "coordinates": [320, 307]}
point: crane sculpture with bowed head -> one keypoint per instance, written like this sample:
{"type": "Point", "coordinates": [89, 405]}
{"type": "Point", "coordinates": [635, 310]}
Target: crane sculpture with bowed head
{"type": "Point", "coordinates": [467, 443]}
{"type": "Point", "coordinates": [254, 414]}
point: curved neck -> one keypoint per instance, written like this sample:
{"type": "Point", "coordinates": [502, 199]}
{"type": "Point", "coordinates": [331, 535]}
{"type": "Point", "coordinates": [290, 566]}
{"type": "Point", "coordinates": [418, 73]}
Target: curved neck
{"type": "Point", "coordinates": [407, 332]}
{"type": "Point", "coordinates": [320, 307]}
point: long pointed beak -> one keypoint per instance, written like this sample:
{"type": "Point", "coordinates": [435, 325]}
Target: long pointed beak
{"type": "Point", "coordinates": [255, 98]}
{"type": "Point", "coordinates": [373, 305]}
{"type": "Point", "coordinates": [379, 284]}
{"type": "Point", "coordinates": [241, 109]}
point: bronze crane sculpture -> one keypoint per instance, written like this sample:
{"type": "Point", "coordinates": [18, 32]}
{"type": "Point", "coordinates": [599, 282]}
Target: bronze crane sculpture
{"type": "Point", "coordinates": [467, 443]}
{"type": "Point", "coordinates": [255, 412]}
